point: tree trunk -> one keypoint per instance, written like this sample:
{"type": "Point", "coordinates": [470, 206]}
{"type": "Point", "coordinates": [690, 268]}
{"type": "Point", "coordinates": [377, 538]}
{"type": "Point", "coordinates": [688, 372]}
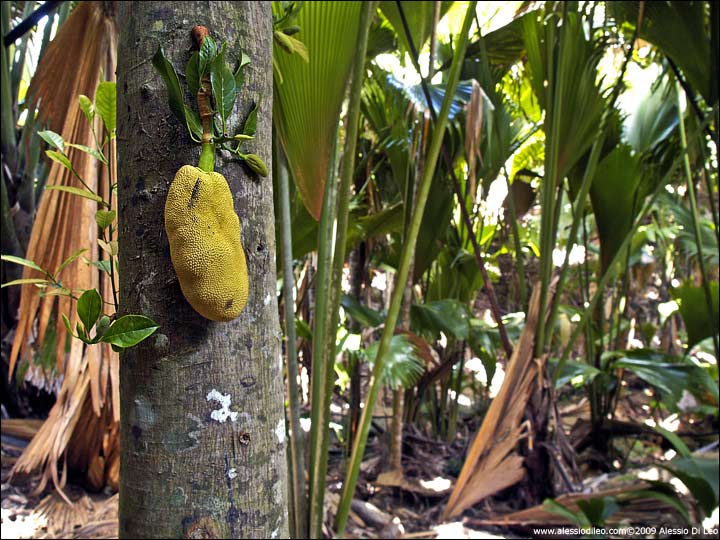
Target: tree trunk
{"type": "Point", "coordinates": [186, 472]}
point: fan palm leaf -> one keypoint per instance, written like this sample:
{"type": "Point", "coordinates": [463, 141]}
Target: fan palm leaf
{"type": "Point", "coordinates": [308, 101]}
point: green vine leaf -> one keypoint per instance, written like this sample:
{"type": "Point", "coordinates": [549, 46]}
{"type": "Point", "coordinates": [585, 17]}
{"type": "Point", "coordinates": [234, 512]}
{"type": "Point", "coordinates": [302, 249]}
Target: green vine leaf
{"type": "Point", "coordinates": [78, 191]}
{"type": "Point", "coordinates": [111, 248]}
{"type": "Point", "coordinates": [87, 107]}
{"type": "Point", "coordinates": [94, 153]}
{"type": "Point", "coordinates": [67, 261]}
{"type": "Point", "coordinates": [68, 326]}
{"type": "Point", "coordinates": [23, 262]}
{"type": "Point", "coordinates": [101, 327]}
{"type": "Point", "coordinates": [105, 105]}
{"type": "Point", "coordinates": [129, 330]}
{"type": "Point", "coordinates": [82, 334]}
{"type": "Point", "coordinates": [175, 96]}
{"type": "Point", "coordinates": [89, 308]}
{"type": "Point", "coordinates": [53, 139]}
{"type": "Point", "coordinates": [55, 291]}
{"type": "Point", "coordinates": [104, 218]}
{"type": "Point", "coordinates": [61, 158]}
{"type": "Point", "coordinates": [26, 281]}
{"type": "Point", "coordinates": [101, 265]}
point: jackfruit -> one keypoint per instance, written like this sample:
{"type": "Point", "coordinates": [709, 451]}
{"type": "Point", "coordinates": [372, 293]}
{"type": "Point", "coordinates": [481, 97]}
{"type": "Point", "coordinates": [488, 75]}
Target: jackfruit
{"type": "Point", "coordinates": [205, 245]}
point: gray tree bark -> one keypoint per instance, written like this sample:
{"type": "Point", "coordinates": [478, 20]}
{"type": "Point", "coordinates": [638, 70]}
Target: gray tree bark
{"type": "Point", "coordinates": [187, 471]}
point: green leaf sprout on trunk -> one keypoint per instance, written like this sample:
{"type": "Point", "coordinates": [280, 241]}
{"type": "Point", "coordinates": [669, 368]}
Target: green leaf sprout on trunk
{"type": "Point", "coordinates": [216, 88]}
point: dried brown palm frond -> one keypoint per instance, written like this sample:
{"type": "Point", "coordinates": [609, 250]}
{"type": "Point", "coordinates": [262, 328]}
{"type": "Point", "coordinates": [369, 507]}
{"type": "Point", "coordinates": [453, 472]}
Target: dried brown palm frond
{"type": "Point", "coordinates": [94, 448]}
{"type": "Point", "coordinates": [107, 528]}
{"type": "Point", "coordinates": [492, 464]}
{"type": "Point", "coordinates": [87, 517]}
{"type": "Point", "coordinates": [473, 135]}
{"type": "Point", "coordinates": [21, 428]}
{"type": "Point", "coordinates": [84, 48]}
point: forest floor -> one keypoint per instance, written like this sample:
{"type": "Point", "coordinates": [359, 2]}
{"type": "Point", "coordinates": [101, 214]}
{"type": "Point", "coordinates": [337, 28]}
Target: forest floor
{"type": "Point", "coordinates": [388, 505]}
{"type": "Point", "coordinates": [26, 514]}
{"type": "Point", "coordinates": [393, 512]}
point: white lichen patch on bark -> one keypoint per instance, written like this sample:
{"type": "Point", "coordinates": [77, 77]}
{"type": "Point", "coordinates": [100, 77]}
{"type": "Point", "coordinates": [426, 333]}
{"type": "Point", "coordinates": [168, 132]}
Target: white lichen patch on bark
{"type": "Point", "coordinates": [232, 473]}
{"type": "Point", "coordinates": [278, 492]}
{"type": "Point", "coordinates": [245, 417]}
{"type": "Point", "coordinates": [280, 430]}
{"type": "Point", "coordinates": [224, 412]}
{"type": "Point", "coordinates": [144, 412]}
{"type": "Point", "coordinates": [194, 435]}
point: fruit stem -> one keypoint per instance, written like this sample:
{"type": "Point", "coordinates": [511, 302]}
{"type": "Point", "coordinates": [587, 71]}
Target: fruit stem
{"type": "Point", "coordinates": [207, 157]}
{"type": "Point", "coordinates": [204, 95]}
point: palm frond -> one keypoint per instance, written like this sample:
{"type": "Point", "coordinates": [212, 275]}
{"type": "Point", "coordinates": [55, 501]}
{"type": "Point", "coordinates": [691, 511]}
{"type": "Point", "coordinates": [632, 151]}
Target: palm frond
{"type": "Point", "coordinates": [680, 31]}
{"type": "Point", "coordinates": [685, 235]}
{"type": "Point", "coordinates": [419, 18]}
{"type": "Point", "coordinates": [307, 103]}
{"type": "Point", "coordinates": [577, 91]}
{"type": "Point", "coordinates": [615, 199]}
{"type": "Point", "coordinates": [654, 119]}
{"type": "Point", "coordinates": [64, 224]}
{"type": "Point", "coordinates": [492, 463]}
{"type": "Point", "coordinates": [403, 364]}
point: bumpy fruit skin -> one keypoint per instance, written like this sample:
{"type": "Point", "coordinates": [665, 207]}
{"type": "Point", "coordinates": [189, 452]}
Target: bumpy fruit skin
{"type": "Point", "coordinates": [205, 247]}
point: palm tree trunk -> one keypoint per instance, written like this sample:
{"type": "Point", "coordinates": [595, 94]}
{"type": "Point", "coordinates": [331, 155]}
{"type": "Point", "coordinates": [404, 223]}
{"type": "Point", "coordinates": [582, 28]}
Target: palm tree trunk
{"type": "Point", "coordinates": [202, 423]}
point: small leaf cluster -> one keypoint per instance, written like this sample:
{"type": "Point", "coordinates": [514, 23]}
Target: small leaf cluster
{"type": "Point", "coordinates": [51, 282]}
{"type": "Point", "coordinates": [207, 70]}
{"type": "Point", "coordinates": [122, 332]}
{"type": "Point", "coordinates": [104, 107]}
